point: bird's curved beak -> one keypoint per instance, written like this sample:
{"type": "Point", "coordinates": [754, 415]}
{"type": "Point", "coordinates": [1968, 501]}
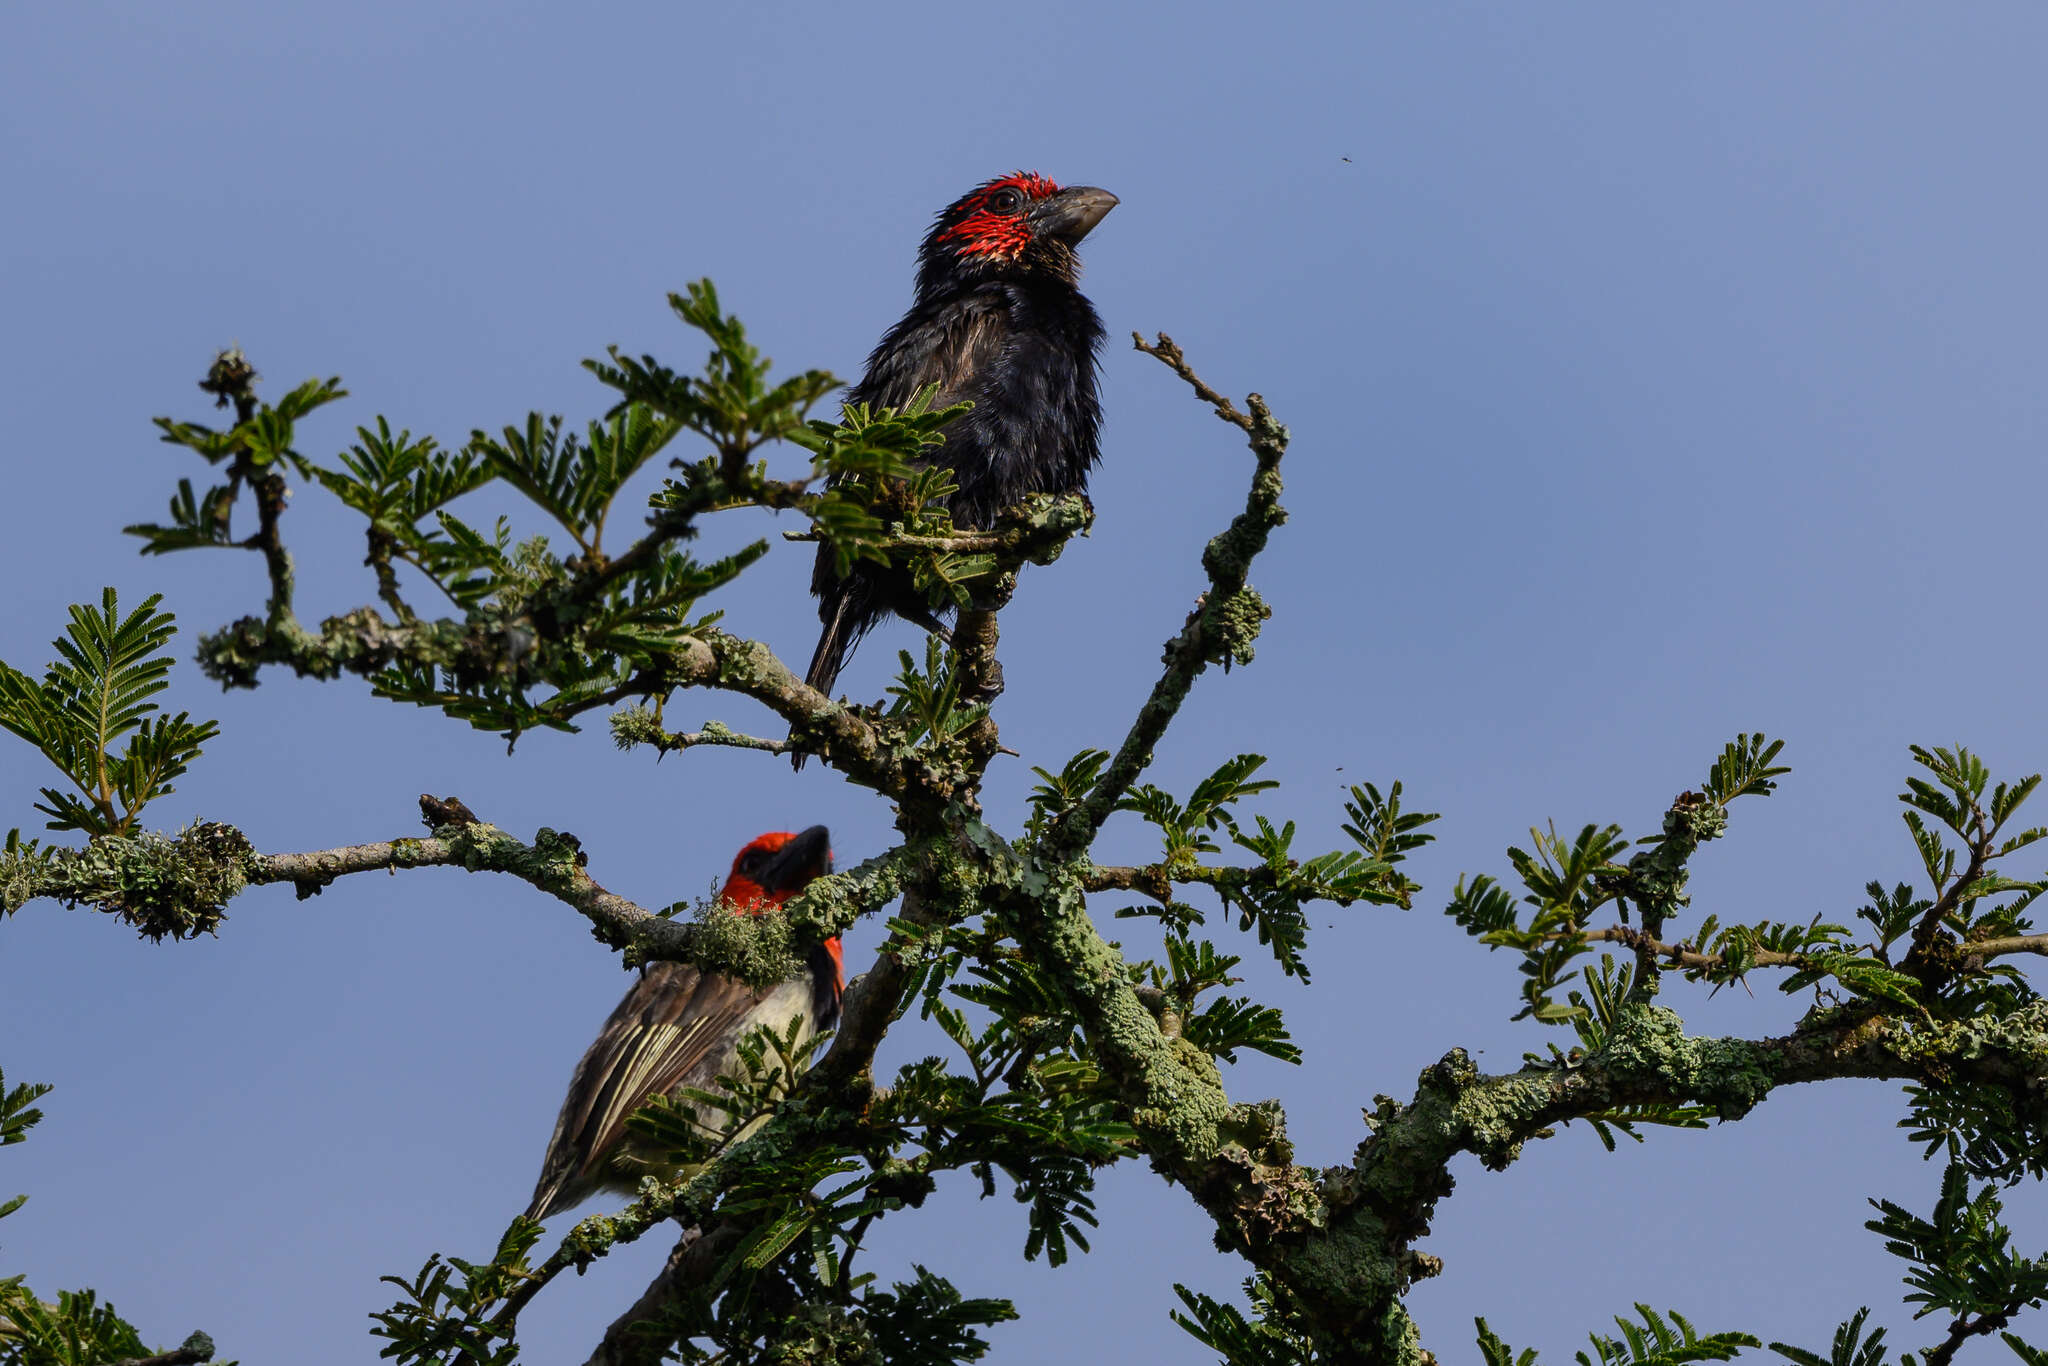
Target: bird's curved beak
{"type": "Point", "coordinates": [802, 858]}
{"type": "Point", "coordinates": [1073, 213]}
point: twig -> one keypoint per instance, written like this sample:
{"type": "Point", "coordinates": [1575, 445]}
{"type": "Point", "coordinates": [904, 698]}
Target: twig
{"type": "Point", "coordinates": [717, 734]}
{"type": "Point", "coordinates": [1999, 948]}
{"type": "Point", "coordinates": [867, 1008]}
{"type": "Point", "coordinates": [1032, 533]}
{"type": "Point", "coordinates": [548, 864]}
{"type": "Point", "coordinates": [364, 642]}
{"type": "Point", "coordinates": [1166, 352]}
{"type": "Point", "coordinates": [1157, 880]}
{"type": "Point", "coordinates": [231, 379]}
{"type": "Point", "coordinates": [1962, 1330]}
{"type": "Point", "coordinates": [1951, 897]}
{"type": "Point", "coordinates": [195, 1350]}
{"type": "Point", "coordinates": [379, 562]}
{"type": "Point", "coordinates": [553, 863]}
{"type": "Point", "coordinates": [676, 523]}
{"type": "Point", "coordinates": [1677, 954]}
{"type": "Point", "coordinates": [1225, 620]}
{"type": "Point", "coordinates": [631, 1339]}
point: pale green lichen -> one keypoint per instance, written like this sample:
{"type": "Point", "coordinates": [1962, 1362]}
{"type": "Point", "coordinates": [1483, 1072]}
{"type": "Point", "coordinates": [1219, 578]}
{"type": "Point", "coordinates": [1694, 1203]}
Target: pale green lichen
{"type": "Point", "coordinates": [636, 725]}
{"type": "Point", "coordinates": [1732, 1075]}
{"type": "Point", "coordinates": [831, 904]}
{"type": "Point", "coordinates": [165, 887]}
{"type": "Point", "coordinates": [752, 946]}
{"type": "Point", "coordinates": [2018, 1039]}
{"type": "Point", "coordinates": [1231, 625]}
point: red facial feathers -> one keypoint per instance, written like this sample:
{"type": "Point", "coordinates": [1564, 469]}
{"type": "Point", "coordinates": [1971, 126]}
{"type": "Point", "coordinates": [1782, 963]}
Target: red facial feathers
{"type": "Point", "coordinates": [981, 229]}
{"type": "Point", "coordinates": [743, 893]}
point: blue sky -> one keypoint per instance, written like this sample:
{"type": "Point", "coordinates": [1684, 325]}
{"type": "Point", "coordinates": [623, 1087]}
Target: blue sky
{"type": "Point", "coordinates": [1655, 373]}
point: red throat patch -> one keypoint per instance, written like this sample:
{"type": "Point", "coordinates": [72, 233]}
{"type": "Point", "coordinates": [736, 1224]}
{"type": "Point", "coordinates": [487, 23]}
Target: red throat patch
{"type": "Point", "coordinates": [745, 894]}
{"type": "Point", "coordinates": [742, 893]}
{"type": "Point", "coordinates": [981, 231]}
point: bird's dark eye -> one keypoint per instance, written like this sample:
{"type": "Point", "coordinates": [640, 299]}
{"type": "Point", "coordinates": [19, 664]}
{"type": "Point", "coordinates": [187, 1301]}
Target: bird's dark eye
{"type": "Point", "coordinates": [1006, 200]}
{"type": "Point", "coordinates": [751, 861]}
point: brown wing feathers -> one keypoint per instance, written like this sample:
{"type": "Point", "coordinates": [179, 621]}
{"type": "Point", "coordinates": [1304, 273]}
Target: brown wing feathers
{"type": "Point", "coordinates": [676, 1027]}
{"type": "Point", "coordinates": [680, 1027]}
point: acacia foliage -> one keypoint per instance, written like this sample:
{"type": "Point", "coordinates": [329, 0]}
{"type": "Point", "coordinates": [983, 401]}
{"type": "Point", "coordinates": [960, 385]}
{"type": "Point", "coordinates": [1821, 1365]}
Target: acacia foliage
{"type": "Point", "coordinates": [1056, 1053]}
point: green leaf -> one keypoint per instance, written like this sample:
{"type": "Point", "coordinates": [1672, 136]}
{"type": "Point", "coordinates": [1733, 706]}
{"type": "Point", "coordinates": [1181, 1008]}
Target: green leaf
{"type": "Point", "coordinates": [1654, 1342]}
{"type": "Point", "coordinates": [98, 691]}
{"type": "Point", "coordinates": [1266, 1339]}
{"type": "Point", "coordinates": [1232, 1023]}
{"type": "Point", "coordinates": [1850, 1347]}
{"type": "Point", "coordinates": [926, 1322]}
{"type": "Point", "coordinates": [1744, 769]}
{"type": "Point", "coordinates": [17, 1112]}
{"type": "Point", "coordinates": [1960, 1259]}
{"type": "Point", "coordinates": [1495, 1352]}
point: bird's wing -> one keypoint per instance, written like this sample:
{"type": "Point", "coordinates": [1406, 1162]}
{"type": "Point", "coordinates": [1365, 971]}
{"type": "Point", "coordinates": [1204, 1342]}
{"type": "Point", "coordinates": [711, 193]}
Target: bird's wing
{"type": "Point", "coordinates": [971, 356]}
{"type": "Point", "coordinates": [676, 1026]}
{"type": "Point", "coordinates": [954, 347]}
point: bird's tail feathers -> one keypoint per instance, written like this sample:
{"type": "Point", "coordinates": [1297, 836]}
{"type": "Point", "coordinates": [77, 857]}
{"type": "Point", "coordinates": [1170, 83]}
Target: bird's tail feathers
{"type": "Point", "coordinates": [843, 627]}
{"type": "Point", "coordinates": [835, 643]}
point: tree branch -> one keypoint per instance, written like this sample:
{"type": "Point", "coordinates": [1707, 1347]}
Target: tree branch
{"type": "Point", "coordinates": [1157, 880]}
{"type": "Point", "coordinates": [841, 1078]}
{"type": "Point", "coordinates": [1034, 532]}
{"type": "Point", "coordinates": [1678, 955]}
{"type": "Point", "coordinates": [626, 1340]}
{"type": "Point", "coordinates": [1226, 619]}
{"type": "Point", "coordinates": [1918, 957]}
{"type": "Point", "coordinates": [637, 726]}
{"type": "Point", "coordinates": [363, 642]}
{"type": "Point", "coordinates": [187, 881]}
{"type": "Point", "coordinates": [196, 1349]}
{"type": "Point", "coordinates": [1961, 1331]}
{"type": "Point", "coordinates": [231, 379]}
{"type": "Point", "coordinates": [677, 518]}
{"type": "Point", "coordinates": [1999, 948]}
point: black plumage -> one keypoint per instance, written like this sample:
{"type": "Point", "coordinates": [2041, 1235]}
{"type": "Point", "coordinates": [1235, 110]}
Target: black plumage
{"type": "Point", "coordinates": [998, 320]}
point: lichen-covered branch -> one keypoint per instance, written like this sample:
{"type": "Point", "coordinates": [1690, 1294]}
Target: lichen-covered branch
{"type": "Point", "coordinates": [196, 1349]}
{"type": "Point", "coordinates": [1341, 1243]}
{"type": "Point", "coordinates": [364, 642]}
{"type": "Point", "coordinates": [1692, 960]}
{"type": "Point", "coordinates": [1373, 1211]}
{"type": "Point", "coordinates": [1225, 621]}
{"type": "Point", "coordinates": [639, 726]}
{"type": "Point", "coordinates": [829, 1100]}
{"type": "Point", "coordinates": [1034, 532]}
{"type": "Point", "coordinates": [179, 887]}
{"type": "Point", "coordinates": [231, 379]}
{"type": "Point", "coordinates": [1964, 1327]}
{"type": "Point", "coordinates": [1157, 880]}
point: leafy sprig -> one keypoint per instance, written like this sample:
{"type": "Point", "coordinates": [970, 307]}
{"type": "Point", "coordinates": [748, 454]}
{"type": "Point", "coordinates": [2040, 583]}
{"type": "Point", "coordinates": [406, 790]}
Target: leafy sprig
{"type": "Point", "coordinates": [1667, 1339]}
{"type": "Point", "coordinates": [98, 691]}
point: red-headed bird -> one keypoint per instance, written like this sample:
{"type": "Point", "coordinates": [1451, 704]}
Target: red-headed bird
{"type": "Point", "coordinates": [680, 1027]}
{"type": "Point", "coordinates": [997, 321]}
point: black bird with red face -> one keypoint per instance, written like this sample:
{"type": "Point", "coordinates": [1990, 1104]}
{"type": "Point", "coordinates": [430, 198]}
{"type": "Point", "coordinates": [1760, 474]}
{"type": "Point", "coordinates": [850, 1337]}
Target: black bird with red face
{"type": "Point", "coordinates": [999, 322]}
{"type": "Point", "coordinates": [679, 1028]}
